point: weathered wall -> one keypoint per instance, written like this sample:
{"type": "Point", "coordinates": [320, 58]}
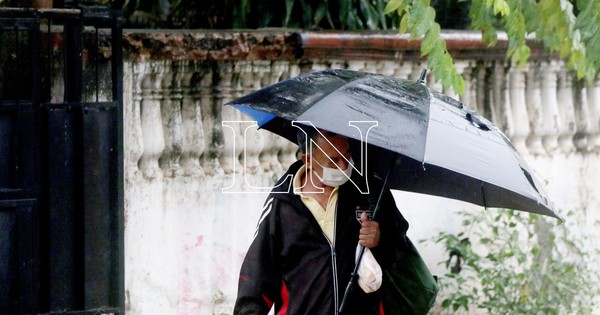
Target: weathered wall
{"type": "Point", "coordinates": [185, 237]}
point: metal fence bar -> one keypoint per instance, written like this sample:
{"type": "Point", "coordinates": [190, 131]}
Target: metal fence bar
{"type": "Point", "coordinates": [118, 193]}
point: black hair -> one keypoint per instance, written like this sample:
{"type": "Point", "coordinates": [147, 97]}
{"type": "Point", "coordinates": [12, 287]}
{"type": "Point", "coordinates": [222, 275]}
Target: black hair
{"type": "Point", "coordinates": [308, 132]}
{"type": "Point", "coordinates": [305, 133]}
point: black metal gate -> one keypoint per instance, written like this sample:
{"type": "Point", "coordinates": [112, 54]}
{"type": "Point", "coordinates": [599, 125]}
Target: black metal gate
{"type": "Point", "coordinates": [61, 171]}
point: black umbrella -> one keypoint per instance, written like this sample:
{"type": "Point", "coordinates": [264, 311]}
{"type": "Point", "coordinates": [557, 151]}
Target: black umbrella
{"type": "Point", "coordinates": [446, 148]}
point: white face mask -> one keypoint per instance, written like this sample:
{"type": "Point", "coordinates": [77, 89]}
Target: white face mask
{"type": "Point", "coordinates": [334, 177]}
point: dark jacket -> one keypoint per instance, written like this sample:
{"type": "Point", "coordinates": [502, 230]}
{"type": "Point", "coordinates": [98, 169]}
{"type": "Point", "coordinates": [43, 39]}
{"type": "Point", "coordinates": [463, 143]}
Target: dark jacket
{"type": "Point", "coordinates": [292, 264]}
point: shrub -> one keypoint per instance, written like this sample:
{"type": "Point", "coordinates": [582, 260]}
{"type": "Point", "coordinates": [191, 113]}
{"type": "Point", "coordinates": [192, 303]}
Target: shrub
{"type": "Point", "coordinates": [511, 262]}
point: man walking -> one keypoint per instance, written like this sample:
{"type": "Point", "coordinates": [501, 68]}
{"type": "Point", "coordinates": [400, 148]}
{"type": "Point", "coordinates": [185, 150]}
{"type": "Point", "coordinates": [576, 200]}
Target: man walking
{"type": "Point", "coordinates": [303, 251]}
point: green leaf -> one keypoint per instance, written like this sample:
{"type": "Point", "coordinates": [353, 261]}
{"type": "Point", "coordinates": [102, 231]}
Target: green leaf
{"type": "Point", "coordinates": [320, 13]}
{"type": "Point", "coordinates": [307, 17]}
{"type": "Point", "coordinates": [392, 6]}
{"type": "Point", "coordinates": [464, 302]}
{"type": "Point", "coordinates": [425, 22]}
{"type": "Point", "coordinates": [431, 40]}
{"type": "Point", "coordinates": [344, 14]}
{"type": "Point", "coordinates": [458, 83]}
{"type": "Point", "coordinates": [501, 7]}
{"type": "Point", "coordinates": [455, 306]}
{"type": "Point", "coordinates": [289, 5]}
{"type": "Point", "coordinates": [446, 303]}
{"type": "Point", "coordinates": [403, 24]}
{"type": "Point", "coordinates": [418, 23]}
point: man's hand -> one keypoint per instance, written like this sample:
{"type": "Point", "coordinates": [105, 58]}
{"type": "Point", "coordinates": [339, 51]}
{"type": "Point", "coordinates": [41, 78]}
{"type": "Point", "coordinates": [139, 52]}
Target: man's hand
{"type": "Point", "coordinates": [369, 232]}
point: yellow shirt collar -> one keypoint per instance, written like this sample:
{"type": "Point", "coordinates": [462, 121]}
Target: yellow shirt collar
{"type": "Point", "coordinates": [325, 217]}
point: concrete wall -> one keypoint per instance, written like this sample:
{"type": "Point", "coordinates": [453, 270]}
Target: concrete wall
{"type": "Point", "coordinates": [185, 237]}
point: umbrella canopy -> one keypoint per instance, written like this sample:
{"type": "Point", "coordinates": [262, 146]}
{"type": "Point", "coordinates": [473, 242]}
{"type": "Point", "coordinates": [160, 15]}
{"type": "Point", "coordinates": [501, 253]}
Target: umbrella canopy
{"type": "Point", "coordinates": [444, 148]}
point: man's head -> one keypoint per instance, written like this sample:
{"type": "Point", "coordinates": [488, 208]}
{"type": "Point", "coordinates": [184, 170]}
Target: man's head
{"type": "Point", "coordinates": [327, 158]}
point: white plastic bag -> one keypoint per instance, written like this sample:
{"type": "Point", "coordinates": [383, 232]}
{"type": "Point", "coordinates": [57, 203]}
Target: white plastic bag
{"type": "Point", "coordinates": [369, 271]}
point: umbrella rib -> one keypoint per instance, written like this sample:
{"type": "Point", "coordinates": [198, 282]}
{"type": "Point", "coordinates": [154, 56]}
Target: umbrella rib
{"type": "Point", "coordinates": [483, 195]}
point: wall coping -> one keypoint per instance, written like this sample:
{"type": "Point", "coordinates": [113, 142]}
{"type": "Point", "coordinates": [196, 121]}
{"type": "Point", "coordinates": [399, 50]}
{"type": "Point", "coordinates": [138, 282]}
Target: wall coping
{"type": "Point", "coordinates": [211, 45]}
{"type": "Point", "coordinates": [290, 44]}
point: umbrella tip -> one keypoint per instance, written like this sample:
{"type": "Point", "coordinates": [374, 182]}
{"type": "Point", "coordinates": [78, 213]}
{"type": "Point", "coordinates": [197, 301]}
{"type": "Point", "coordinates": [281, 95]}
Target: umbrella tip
{"type": "Point", "coordinates": [421, 79]}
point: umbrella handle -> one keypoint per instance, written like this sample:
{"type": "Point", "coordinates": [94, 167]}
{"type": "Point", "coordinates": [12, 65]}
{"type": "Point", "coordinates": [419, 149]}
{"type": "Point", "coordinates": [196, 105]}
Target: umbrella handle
{"type": "Point", "coordinates": [350, 286]}
{"type": "Point", "coordinates": [354, 274]}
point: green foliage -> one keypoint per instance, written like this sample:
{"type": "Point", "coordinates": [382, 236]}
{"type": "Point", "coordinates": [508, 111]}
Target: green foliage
{"type": "Point", "coordinates": [483, 19]}
{"type": "Point", "coordinates": [516, 263]}
{"type": "Point", "coordinates": [556, 29]}
{"type": "Point", "coordinates": [554, 23]}
{"type": "Point", "coordinates": [418, 19]}
{"type": "Point", "coordinates": [588, 25]}
{"type": "Point", "coordinates": [572, 32]}
{"type": "Point", "coordinates": [226, 14]}
{"type": "Point", "coordinates": [571, 28]}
